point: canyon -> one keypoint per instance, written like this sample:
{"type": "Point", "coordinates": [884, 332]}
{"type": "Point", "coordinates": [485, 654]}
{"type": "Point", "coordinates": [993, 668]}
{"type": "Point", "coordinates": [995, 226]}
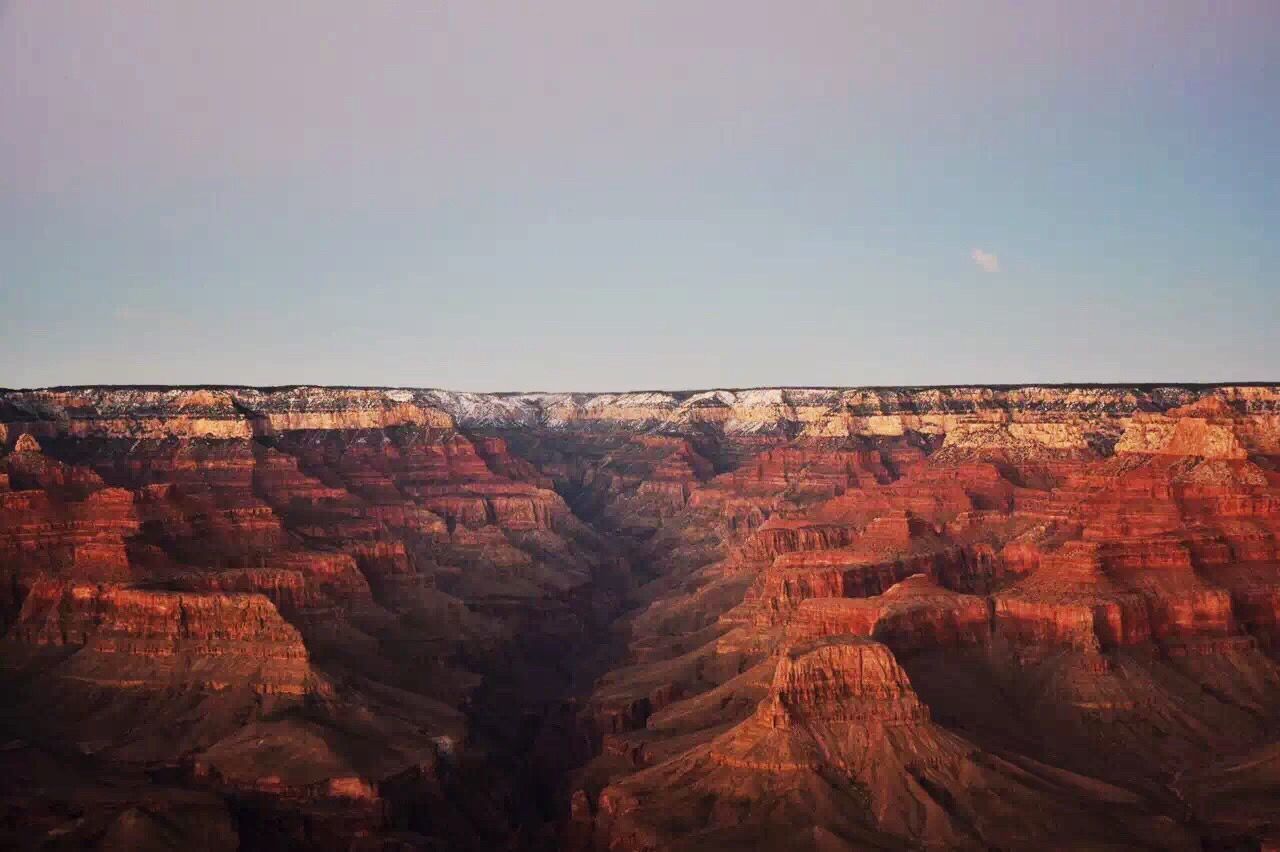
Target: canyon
{"type": "Point", "coordinates": [779, 618]}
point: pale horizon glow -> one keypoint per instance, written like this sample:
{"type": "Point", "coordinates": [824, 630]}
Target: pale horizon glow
{"type": "Point", "coordinates": [592, 197]}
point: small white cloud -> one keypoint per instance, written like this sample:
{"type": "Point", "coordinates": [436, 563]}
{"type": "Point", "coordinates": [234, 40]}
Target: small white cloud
{"type": "Point", "coordinates": [986, 261]}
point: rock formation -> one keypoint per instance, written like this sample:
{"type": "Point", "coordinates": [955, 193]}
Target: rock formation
{"type": "Point", "coordinates": [1002, 617]}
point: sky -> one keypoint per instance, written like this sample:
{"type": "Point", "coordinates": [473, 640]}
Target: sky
{"type": "Point", "coordinates": [576, 195]}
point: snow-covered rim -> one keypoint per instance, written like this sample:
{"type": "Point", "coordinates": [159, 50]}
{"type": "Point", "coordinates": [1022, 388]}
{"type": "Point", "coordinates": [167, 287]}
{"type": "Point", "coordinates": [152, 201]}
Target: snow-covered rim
{"type": "Point", "coordinates": [742, 411]}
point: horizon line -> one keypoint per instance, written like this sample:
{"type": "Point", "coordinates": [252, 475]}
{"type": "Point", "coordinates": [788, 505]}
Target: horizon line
{"type": "Point", "coordinates": [271, 388]}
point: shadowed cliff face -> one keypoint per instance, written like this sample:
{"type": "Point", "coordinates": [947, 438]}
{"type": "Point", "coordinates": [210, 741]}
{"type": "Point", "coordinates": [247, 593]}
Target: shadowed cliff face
{"type": "Point", "coordinates": [776, 618]}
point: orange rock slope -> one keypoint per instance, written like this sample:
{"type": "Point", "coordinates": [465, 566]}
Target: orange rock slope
{"type": "Point", "coordinates": [1017, 617]}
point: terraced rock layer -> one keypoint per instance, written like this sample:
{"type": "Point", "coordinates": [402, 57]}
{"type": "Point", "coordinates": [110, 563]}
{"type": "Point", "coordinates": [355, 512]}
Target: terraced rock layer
{"type": "Point", "coordinates": [778, 618]}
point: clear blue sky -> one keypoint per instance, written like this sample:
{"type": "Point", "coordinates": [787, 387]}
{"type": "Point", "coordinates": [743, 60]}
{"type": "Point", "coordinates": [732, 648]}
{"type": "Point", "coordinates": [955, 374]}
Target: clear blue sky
{"type": "Point", "coordinates": [582, 195]}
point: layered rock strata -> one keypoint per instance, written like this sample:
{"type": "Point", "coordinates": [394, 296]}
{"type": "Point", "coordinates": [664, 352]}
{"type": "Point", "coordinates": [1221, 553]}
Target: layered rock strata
{"type": "Point", "coordinates": [774, 618]}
